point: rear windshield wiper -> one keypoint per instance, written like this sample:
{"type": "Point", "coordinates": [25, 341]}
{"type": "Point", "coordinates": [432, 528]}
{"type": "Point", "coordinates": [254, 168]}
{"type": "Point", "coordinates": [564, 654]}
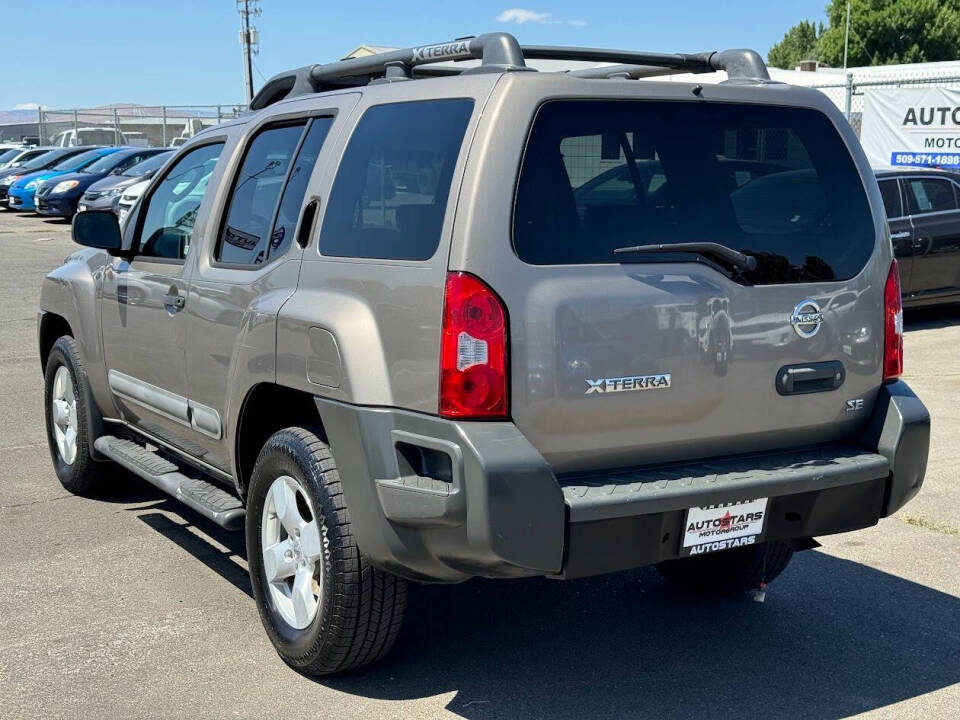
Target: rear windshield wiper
{"type": "Point", "coordinates": [707, 249]}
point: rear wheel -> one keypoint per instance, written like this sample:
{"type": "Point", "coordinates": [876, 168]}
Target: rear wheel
{"type": "Point", "coordinates": [730, 571]}
{"type": "Point", "coordinates": [325, 609]}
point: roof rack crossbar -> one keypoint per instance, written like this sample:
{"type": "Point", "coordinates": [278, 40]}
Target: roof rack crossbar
{"type": "Point", "coordinates": [497, 52]}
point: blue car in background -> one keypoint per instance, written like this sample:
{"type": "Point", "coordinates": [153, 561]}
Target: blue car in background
{"type": "Point", "coordinates": [59, 196]}
{"type": "Point", "coordinates": [20, 195]}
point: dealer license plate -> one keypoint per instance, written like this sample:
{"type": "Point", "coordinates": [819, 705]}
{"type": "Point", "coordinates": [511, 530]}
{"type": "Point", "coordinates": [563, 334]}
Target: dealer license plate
{"type": "Point", "coordinates": [721, 527]}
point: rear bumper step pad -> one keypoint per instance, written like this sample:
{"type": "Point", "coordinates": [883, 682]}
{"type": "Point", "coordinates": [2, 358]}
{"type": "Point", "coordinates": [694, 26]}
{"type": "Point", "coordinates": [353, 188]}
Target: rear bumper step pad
{"type": "Point", "coordinates": [665, 488]}
{"type": "Point", "coordinates": [210, 500]}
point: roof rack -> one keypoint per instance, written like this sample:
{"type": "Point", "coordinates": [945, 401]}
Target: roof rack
{"type": "Point", "coordinates": [499, 52]}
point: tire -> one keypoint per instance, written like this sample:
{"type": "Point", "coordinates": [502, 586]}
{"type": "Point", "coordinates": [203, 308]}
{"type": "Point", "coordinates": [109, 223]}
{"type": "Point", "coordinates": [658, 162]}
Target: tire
{"type": "Point", "coordinates": [75, 468]}
{"type": "Point", "coordinates": [358, 609]}
{"type": "Point", "coordinates": [728, 572]}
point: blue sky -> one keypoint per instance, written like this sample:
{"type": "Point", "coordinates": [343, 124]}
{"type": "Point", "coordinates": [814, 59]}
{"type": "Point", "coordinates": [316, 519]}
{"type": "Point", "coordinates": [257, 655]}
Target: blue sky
{"type": "Point", "coordinates": [63, 53]}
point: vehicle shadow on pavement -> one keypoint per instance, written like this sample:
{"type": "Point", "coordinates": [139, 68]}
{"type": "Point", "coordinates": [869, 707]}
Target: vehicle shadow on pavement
{"type": "Point", "coordinates": [833, 639]}
{"type": "Point", "coordinates": [196, 539]}
{"type": "Point", "coordinates": [940, 316]}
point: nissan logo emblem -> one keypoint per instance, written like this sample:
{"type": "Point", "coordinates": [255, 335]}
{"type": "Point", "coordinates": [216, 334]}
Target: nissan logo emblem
{"type": "Point", "coordinates": [806, 319]}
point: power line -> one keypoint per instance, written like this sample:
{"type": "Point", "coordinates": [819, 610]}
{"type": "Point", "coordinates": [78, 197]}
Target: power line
{"type": "Point", "coordinates": [249, 41]}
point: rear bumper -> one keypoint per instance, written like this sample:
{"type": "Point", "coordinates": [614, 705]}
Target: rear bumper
{"type": "Point", "coordinates": [492, 507]}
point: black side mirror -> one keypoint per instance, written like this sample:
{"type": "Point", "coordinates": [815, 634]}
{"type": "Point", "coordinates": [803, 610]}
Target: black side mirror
{"type": "Point", "coordinates": [97, 229]}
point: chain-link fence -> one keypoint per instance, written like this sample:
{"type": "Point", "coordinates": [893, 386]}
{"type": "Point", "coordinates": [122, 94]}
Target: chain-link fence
{"type": "Point", "coordinates": [137, 125]}
{"type": "Point", "coordinates": [849, 95]}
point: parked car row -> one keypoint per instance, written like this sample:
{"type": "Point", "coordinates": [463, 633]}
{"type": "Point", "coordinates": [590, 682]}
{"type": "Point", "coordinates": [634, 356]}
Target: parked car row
{"type": "Point", "coordinates": [60, 181]}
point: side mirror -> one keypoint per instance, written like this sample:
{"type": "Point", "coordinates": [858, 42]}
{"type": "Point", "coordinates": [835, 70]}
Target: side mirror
{"type": "Point", "coordinates": [97, 229]}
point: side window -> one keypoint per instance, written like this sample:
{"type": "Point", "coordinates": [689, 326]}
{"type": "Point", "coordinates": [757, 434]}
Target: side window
{"type": "Point", "coordinates": [137, 159]}
{"type": "Point", "coordinates": [390, 193]}
{"type": "Point", "coordinates": [245, 235]}
{"type": "Point", "coordinates": [171, 210]}
{"type": "Point", "coordinates": [292, 200]}
{"type": "Point", "coordinates": [891, 198]}
{"type": "Point", "coordinates": [927, 195]}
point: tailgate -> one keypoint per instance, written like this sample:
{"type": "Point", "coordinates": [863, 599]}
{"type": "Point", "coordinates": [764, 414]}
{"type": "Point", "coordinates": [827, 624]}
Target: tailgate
{"type": "Point", "coordinates": [625, 359]}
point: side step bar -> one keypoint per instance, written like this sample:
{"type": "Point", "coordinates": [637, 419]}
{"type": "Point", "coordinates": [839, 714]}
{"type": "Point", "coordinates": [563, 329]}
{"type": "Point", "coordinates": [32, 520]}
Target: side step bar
{"type": "Point", "coordinates": [206, 498]}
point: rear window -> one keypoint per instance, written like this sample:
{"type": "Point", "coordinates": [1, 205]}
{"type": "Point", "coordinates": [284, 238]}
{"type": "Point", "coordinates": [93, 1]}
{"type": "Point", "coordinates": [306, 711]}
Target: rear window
{"type": "Point", "coordinates": [774, 183]}
{"type": "Point", "coordinates": [390, 194]}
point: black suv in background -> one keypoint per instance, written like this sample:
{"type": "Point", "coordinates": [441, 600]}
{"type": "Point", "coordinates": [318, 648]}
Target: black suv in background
{"type": "Point", "coordinates": [923, 209]}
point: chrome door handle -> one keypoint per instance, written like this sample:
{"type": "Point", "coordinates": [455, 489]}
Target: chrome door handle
{"type": "Point", "coordinates": [899, 235]}
{"type": "Point", "coordinates": [176, 301]}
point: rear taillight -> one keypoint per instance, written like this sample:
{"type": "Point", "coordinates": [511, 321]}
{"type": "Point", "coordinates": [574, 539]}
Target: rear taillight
{"type": "Point", "coordinates": [892, 326]}
{"type": "Point", "coordinates": [473, 350]}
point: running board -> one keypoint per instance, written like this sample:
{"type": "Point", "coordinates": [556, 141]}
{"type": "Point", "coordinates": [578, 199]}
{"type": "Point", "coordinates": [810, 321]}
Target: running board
{"type": "Point", "coordinates": [206, 498]}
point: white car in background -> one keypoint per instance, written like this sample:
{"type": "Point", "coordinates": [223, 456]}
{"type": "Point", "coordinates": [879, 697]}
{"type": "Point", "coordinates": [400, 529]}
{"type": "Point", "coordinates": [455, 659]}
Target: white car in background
{"type": "Point", "coordinates": [129, 199]}
{"type": "Point", "coordinates": [88, 136]}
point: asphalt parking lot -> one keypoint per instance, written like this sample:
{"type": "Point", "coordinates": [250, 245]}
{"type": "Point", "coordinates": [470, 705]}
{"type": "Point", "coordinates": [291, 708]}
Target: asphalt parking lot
{"type": "Point", "coordinates": [129, 605]}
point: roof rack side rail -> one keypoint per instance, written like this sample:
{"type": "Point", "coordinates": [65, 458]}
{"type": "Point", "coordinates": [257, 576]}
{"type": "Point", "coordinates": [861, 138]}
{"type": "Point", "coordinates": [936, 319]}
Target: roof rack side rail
{"type": "Point", "coordinates": [496, 51]}
{"type": "Point", "coordinates": [678, 61]}
{"type": "Point", "coordinates": [739, 64]}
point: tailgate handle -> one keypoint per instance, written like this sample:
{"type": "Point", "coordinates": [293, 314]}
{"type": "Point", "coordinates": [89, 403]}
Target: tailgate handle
{"type": "Point", "coordinates": [810, 378]}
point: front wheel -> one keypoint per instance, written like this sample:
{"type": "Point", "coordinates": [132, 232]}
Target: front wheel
{"type": "Point", "coordinates": [325, 609]}
{"type": "Point", "coordinates": [730, 571]}
{"type": "Point", "coordinates": [68, 432]}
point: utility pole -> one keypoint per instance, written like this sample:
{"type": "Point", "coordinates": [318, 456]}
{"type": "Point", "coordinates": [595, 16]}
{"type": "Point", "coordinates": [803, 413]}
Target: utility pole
{"type": "Point", "coordinates": [846, 37]}
{"type": "Point", "coordinates": [249, 41]}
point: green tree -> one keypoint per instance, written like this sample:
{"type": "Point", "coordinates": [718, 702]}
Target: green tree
{"type": "Point", "coordinates": [886, 32]}
{"type": "Point", "coordinates": [882, 32]}
{"type": "Point", "coordinates": [799, 43]}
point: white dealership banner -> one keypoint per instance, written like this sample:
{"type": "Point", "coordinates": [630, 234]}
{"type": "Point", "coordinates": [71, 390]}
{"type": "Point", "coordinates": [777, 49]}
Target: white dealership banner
{"type": "Point", "coordinates": [918, 127]}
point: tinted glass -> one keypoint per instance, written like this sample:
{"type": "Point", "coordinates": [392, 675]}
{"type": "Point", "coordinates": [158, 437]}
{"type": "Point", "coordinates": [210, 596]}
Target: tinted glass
{"type": "Point", "coordinates": [290, 204]}
{"type": "Point", "coordinates": [390, 194]}
{"type": "Point", "coordinates": [150, 165]}
{"type": "Point", "coordinates": [42, 159]}
{"type": "Point", "coordinates": [8, 155]}
{"type": "Point", "coordinates": [76, 162]}
{"type": "Point", "coordinates": [891, 198]}
{"type": "Point", "coordinates": [96, 137]}
{"type": "Point", "coordinates": [107, 163]}
{"type": "Point", "coordinates": [246, 232]}
{"type": "Point", "coordinates": [775, 183]}
{"type": "Point", "coordinates": [926, 195]}
{"type": "Point", "coordinates": [171, 210]}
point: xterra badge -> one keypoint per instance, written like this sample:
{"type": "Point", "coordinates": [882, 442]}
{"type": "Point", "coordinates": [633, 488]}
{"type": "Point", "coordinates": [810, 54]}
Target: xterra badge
{"type": "Point", "coordinates": [628, 384]}
{"type": "Point", "coordinates": [460, 49]}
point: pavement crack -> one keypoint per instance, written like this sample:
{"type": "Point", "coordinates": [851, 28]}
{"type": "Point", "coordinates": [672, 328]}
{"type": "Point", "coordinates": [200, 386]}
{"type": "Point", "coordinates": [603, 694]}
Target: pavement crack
{"type": "Point", "coordinates": [36, 502]}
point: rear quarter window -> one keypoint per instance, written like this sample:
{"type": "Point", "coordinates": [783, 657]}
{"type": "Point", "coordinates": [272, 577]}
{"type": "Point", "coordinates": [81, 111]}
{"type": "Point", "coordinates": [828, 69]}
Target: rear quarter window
{"type": "Point", "coordinates": [390, 193]}
{"type": "Point", "coordinates": [776, 183]}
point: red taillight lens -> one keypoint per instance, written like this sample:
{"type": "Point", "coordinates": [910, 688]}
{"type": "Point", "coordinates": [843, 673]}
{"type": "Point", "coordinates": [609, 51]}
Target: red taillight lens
{"type": "Point", "coordinates": [473, 350]}
{"type": "Point", "coordinates": [892, 326]}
